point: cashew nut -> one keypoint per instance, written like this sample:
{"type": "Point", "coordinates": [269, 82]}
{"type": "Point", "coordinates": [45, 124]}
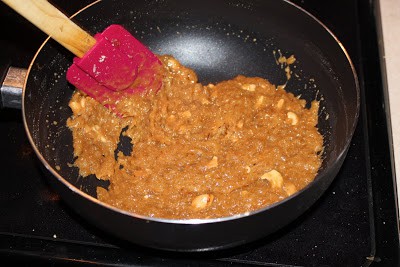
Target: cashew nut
{"type": "Point", "coordinates": [293, 117]}
{"type": "Point", "coordinates": [249, 87]}
{"type": "Point", "coordinates": [280, 103]}
{"type": "Point", "coordinates": [290, 189]}
{"type": "Point", "coordinates": [274, 177]}
{"type": "Point", "coordinates": [202, 201]}
{"type": "Point", "coordinates": [213, 162]}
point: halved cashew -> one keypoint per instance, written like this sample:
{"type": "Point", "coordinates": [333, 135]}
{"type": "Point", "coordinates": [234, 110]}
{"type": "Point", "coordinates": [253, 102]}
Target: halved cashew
{"type": "Point", "coordinates": [293, 117]}
{"type": "Point", "coordinates": [213, 162]}
{"type": "Point", "coordinates": [280, 103]}
{"type": "Point", "coordinates": [248, 169]}
{"type": "Point", "coordinates": [202, 201]}
{"type": "Point", "coordinates": [291, 60]}
{"type": "Point", "coordinates": [249, 87]}
{"type": "Point", "coordinates": [259, 102]}
{"type": "Point", "coordinates": [76, 106]}
{"type": "Point", "coordinates": [96, 129]}
{"type": "Point", "coordinates": [83, 102]}
{"type": "Point", "coordinates": [288, 73]}
{"type": "Point", "coordinates": [274, 177]}
{"type": "Point", "coordinates": [289, 188]}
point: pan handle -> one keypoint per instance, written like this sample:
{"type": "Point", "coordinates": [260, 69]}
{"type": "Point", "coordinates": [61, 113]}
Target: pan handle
{"type": "Point", "coordinates": [12, 84]}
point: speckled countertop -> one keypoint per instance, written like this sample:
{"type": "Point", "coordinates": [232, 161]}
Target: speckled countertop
{"type": "Point", "coordinates": [390, 19]}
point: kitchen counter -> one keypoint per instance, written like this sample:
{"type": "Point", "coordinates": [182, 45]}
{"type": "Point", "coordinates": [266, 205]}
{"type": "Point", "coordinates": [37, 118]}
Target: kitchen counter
{"type": "Point", "coordinates": [390, 53]}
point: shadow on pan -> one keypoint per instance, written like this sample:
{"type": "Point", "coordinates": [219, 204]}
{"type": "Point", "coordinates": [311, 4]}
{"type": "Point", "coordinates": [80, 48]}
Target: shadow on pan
{"type": "Point", "coordinates": [219, 40]}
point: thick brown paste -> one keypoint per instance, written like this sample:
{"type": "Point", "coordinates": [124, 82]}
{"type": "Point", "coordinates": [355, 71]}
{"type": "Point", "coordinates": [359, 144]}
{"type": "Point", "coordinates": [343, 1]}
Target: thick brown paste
{"type": "Point", "coordinates": [199, 151]}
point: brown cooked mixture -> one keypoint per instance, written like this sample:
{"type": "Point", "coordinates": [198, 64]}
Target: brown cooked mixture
{"type": "Point", "coordinates": [199, 151]}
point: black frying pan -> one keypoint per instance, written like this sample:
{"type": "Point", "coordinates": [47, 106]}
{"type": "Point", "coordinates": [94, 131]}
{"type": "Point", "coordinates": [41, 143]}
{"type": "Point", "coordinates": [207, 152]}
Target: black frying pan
{"type": "Point", "coordinates": [219, 40]}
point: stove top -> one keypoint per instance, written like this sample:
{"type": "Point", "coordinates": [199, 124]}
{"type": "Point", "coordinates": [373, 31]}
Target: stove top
{"type": "Point", "coordinates": [355, 223]}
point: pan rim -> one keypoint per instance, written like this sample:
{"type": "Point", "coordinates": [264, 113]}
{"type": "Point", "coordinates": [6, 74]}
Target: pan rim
{"type": "Point", "coordinates": [76, 190]}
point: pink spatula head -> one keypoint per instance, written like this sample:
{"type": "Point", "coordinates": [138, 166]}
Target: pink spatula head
{"type": "Point", "coordinates": [108, 67]}
{"type": "Point", "coordinates": [116, 66]}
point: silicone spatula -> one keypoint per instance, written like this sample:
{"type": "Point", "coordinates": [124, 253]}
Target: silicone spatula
{"type": "Point", "coordinates": [108, 66]}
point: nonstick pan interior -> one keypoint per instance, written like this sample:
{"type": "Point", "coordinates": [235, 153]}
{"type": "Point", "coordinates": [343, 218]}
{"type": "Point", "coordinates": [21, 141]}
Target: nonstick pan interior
{"type": "Point", "coordinates": [219, 40]}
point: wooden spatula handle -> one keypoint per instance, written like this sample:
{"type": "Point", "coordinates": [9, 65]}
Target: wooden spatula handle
{"type": "Point", "coordinates": [53, 22]}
